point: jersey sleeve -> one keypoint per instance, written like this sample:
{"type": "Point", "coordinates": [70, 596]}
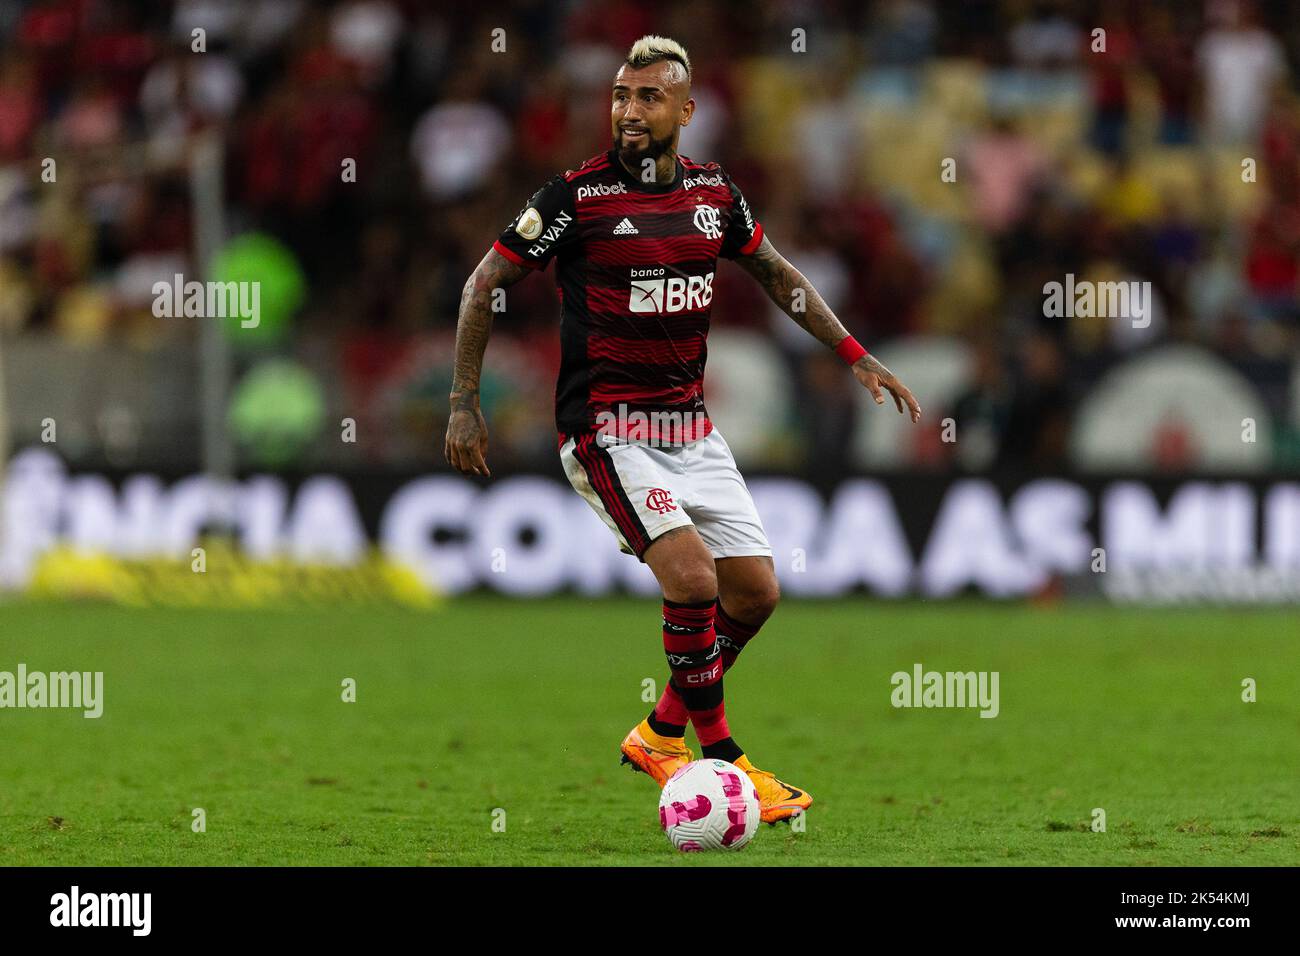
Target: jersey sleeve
{"type": "Point", "coordinates": [543, 228]}
{"type": "Point", "coordinates": [744, 233]}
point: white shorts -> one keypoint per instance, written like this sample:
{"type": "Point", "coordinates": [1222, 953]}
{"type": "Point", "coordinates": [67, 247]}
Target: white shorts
{"type": "Point", "coordinates": [641, 491]}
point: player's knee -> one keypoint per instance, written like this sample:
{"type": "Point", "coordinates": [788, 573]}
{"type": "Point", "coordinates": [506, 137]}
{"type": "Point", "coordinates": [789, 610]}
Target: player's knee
{"type": "Point", "coordinates": [771, 597]}
{"type": "Point", "coordinates": [692, 584]}
{"type": "Point", "coordinates": [754, 604]}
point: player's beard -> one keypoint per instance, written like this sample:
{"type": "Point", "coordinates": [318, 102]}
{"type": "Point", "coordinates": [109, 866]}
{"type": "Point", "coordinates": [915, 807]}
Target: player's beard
{"type": "Point", "coordinates": [632, 155]}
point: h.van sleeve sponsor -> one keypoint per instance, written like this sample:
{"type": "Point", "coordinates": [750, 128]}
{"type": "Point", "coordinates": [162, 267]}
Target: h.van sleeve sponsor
{"type": "Point", "coordinates": [541, 227]}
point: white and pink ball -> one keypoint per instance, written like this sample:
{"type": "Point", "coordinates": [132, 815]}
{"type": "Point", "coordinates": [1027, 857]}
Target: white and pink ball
{"type": "Point", "coordinates": [709, 805]}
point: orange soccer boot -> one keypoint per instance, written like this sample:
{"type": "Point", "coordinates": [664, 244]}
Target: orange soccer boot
{"type": "Point", "coordinates": [776, 800]}
{"type": "Point", "coordinates": [660, 757]}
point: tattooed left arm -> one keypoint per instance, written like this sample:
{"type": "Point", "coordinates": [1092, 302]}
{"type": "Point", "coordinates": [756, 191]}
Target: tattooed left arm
{"type": "Point", "coordinates": [795, 296]}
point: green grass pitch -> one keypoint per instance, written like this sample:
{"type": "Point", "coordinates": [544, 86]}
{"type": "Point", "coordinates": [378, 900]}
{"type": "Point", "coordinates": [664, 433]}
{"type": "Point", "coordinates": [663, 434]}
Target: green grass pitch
{"type": "Point", "coordinates": [487, 703]}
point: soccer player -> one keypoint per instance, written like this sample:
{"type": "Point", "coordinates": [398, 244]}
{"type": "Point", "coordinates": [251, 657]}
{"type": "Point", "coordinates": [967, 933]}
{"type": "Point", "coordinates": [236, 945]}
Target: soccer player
{"type": "Point", "coordinates": [636, 233]}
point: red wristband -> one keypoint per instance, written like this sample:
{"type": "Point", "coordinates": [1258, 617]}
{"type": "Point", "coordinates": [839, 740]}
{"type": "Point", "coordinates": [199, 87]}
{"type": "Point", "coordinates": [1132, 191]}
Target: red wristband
{"type": "Point", "coordinates": [850, 350]}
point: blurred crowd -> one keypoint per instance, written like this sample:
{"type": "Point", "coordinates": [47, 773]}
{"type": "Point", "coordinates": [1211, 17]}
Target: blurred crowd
{"type": "Point", "coordinates": [1164, 148]}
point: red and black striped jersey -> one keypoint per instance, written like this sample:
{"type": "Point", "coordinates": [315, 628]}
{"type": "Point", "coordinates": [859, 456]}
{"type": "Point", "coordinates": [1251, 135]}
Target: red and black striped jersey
{"type": "Point", "coordinates": [635, 265]}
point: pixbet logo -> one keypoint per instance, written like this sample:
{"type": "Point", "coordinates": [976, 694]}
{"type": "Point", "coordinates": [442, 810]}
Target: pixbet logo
{"type": "Point", "coordinates": [689, 183]}
{"type": "Point", "coordinates": [590, 192]}
{"type": "Point", "coordinates": [674, 294]}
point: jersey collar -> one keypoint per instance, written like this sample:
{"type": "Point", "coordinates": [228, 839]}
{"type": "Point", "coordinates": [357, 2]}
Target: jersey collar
{"type": "Point", "coordinates": [635, 181]}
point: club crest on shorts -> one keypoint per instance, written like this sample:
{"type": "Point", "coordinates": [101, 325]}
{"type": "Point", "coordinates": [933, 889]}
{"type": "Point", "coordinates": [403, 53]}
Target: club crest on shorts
{"type": "Point", "coordinates": [660, 500]}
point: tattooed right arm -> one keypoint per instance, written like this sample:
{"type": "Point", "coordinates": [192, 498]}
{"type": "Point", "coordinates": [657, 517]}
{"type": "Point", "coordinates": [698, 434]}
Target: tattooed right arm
{"type": "Point", "coordinates": [465, 447]}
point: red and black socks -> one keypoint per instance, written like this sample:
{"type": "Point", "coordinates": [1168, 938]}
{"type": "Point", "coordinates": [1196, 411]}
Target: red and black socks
{"type": "Point", "coordinates": [733, 635]}
{"type": "Point", "coordinates": [695, 659]}
{"type": "Point", "coordinates": [670, 715]}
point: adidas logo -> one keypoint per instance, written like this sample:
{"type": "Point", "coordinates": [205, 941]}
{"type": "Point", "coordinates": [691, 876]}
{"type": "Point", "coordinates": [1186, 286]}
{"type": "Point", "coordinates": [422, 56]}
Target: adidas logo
{"type": "Point", "coordinates": [625, 228]}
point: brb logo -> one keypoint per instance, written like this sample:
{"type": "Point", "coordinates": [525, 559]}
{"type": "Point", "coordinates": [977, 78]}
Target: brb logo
{"type": "Point", "coordinates": [660, 295]}
{"type": "Point", "coordinates": [660, 500]}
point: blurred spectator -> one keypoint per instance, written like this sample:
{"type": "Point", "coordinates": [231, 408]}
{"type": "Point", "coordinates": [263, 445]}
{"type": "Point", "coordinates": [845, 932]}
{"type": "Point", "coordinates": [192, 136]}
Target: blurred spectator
{"type": "Point", "coordinates": [829, 132]}
{"type": "Point", "coordinates": [1004, 167]}
{"type": "Point", "coordinates": [1046, 39]}
{"type": "Point", "coordinates": [182, 93]}
{"type": "Point", "coordinates": [366, 32]}
{"type": "Point", "coordinates": [20, 106]}
{"type": "Point", "coordinates": [1037, 420]}
{"type": "Point", "coordinates": [1272, 270]}
{"type": "Point", "coordinates": [1240, 64]}
{"type": "Point", "coordinates": [902, 32]}
{"type": "Point", "coordinates": [982, 411]}
{"type": "Point", "coordinates": [458, 143]}
{"type": "Point", "coordinates": [92, 117]}
{"type": "Point", "coordinates": [1169, 49]}
{"type": "Point", "coordinates": [1112, 69]}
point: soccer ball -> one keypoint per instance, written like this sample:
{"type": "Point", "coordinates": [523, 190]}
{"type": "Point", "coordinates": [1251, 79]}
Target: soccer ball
{"type": "Point", "coordinates": [709, 805]}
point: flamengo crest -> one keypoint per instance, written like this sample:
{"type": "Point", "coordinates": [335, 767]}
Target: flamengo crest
{"type": "Point", "coordinates": [708, 221]}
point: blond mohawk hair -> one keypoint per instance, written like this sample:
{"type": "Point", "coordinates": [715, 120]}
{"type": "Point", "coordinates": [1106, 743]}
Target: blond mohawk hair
{"type": "Point", "coordinates": [652, 49]}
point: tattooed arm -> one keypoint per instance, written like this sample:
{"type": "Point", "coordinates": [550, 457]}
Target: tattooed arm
{"type": "Point", "coordinates": [465, 447]}
{"type": "Point", "coordinates": [796, 297]}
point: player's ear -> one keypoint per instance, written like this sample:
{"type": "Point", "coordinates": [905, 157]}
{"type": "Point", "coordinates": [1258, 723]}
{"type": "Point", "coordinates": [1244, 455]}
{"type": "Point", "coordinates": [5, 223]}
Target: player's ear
{"type": "Point", "coordinates": [688, 109]}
